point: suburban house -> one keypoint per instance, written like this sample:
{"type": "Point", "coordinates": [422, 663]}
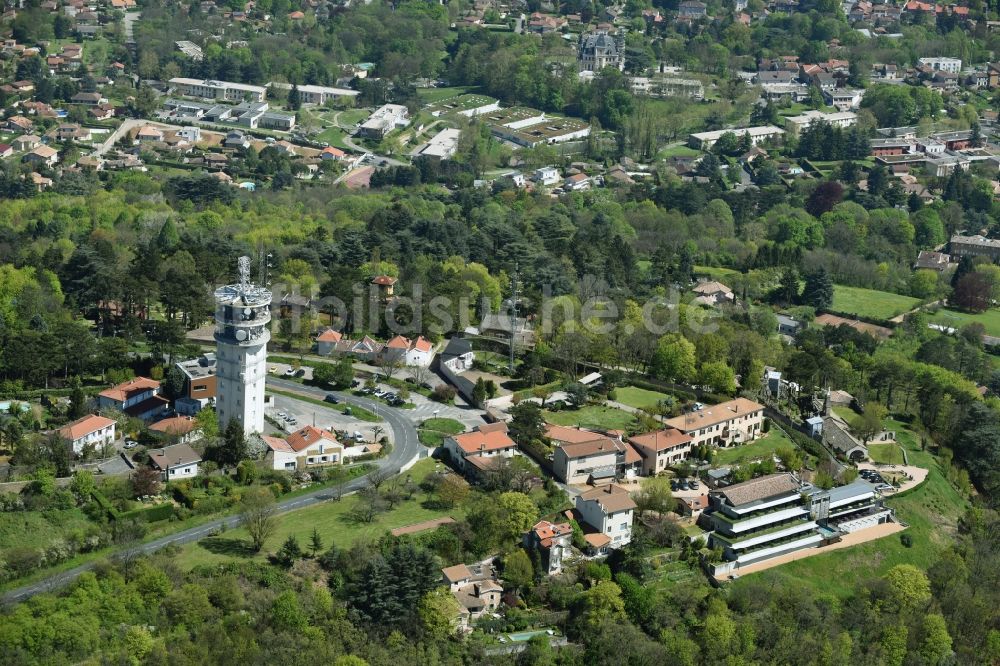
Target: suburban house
{"type": "Point", "coordinates": [42, 156]}
{"type": "Point", "coordinates": [692, 507]}
{"type": "Point", "coordinates": [934, 261]}
{"type": "Point", "coordinates": [175, 462]}
{"type": "Point", "coordinates": [331, 153]}
{"type": "Point", "coordinates": [476, 588]}
{"type": "Point", "coordinates": [552, 541]}
{"type": "Point", "coordinates": [583, 456]}
{"type": "Point", "coordinates": [486, 441]}
{"type": "Point", "coordinates": [181, 429]}
{"type": "Point", "coordinates": [199, 384]}
{"type": "Point", "coordinates": [576, 182]}
{"type": "Point", "coordinates": [326, 342]}
{"type": "Point", "coordinates": [386, 285]}
{"type": "Point", "coordinates": [93, 430]}
{"type": "Point", "coordinates": [547, 176]}
{"type": "Point", "coordinates": [303, 449]}
{"type": "Point", "coordinates": [776, 514]}
{"type": "Point", "coordinates": [608, 510]}
{"type": "Point", "coordinates": [410, 352]}
{"type": "Point", "coordinates": [139, 397]}
{"type": "Point", "coordinates": [712, 293]}
{"type": "Point", "coordinates": [734, 422]}
{"type": "Point", "coordinates": [26, 142]}
{"type": "Point", "coordinates": [6, 150]}
{"type": "Point", "coordinates": [661, 449]}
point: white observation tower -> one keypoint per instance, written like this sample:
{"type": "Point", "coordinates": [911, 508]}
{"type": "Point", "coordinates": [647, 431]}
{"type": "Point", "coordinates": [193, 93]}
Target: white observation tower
{"type": "Point", "coordinates": [242, 315]}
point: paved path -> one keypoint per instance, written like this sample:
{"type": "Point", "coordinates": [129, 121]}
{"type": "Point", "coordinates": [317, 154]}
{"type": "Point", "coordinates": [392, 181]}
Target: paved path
{"type": "Point", "coordinates": [405, 451]}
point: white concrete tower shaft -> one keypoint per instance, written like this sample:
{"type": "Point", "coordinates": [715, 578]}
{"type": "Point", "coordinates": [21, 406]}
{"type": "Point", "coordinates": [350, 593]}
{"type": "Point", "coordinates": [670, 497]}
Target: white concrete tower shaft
{"type": "Point", "coordinates": [242, 316]}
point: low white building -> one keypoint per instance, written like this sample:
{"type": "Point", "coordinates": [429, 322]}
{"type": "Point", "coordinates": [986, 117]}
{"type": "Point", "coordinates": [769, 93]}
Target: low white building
{"type": "Point", "coordinates": [175, 462]}
{"type": "Point", "coordinates": [610, 511]}
{"type": "Point", "coordinates": [797, 124]}
{"type": "Point", "coordinates": [218, 90]}
{"type": "Point", "coordinates": [309, 94]}
{"type": "Point", "coordinates": [417, 352]}
{"type": "Point", "coordinates": [547, 176]}
{"type": "Point", "coordinates": [91, 430]}
{"type": "Point", "coordinates": [443, 145]}
{"type": "Point", "coordinates": [705, 140]}
{"type": "Point", "coordinates": [384, 120]}
{"type": "Point", "coordinates": [950, 65]}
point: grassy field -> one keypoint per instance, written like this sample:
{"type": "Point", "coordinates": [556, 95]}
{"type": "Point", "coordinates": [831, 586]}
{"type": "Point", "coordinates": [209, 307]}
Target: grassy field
{"type": "Point", "coordinates": [433, 431]}
{"type": "Point", "coordinates": [679, 151]}
{"type": "Point", "coordinates": [955, 319]}
{"type": "Point", "coordinates": [869, 303]}
{"type": "Point", "coordinates": [333, 136]}
{"type": "Point", "coordinates": [761, 448]}
{"type": "Point", "coordinates": [37, 529]}
{"type": "Point", "coordinates": [593, 416]}
{"type": "Point", "coordinates": [333, 519]}
{"type": "Point", "coordinates": [885, 453]}
{"type": "Point", "coordinates": [639, 398]}
{"type": "Point", "coordinates": [715, 272]}
{"type": "Point", "coordinates": [353, 116]}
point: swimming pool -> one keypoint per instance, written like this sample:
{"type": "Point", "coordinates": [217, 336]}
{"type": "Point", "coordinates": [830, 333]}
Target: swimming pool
{"type": "Point", "coordinates": [520, 636]}
{"type": "Point", "coordinates": [5, 406]}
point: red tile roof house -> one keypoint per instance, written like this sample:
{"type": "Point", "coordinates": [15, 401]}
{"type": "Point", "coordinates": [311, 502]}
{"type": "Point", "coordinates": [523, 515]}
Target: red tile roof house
{"type": "Point", "coordinates": [477, 589]}
{"type": "Point", "coordinates": [304, 449]}
{"type": "Point", "coordinates": [139, 397]}
{"type": "Point", "coordinates": [91, 430]}
{"type": "Point", "coordinates": [6, 150]}
{"type": "Point", "coordinates": [182, 429]}
{"type": "Point", "coordinates": [486, 441]}
{"type": "Point", "coordinates": [552, 541]}
{"type": "Point", "coordinates": [326, 341]}
{"type": "Point", "coordinates": [410, 352]}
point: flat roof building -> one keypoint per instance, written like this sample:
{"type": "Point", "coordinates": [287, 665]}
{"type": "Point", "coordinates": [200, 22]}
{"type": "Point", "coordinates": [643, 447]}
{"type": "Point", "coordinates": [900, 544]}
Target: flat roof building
{"type": "Point", "coordinates": [218, 90]}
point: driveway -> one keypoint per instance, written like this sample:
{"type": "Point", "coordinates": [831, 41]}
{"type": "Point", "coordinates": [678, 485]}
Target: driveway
{"type": "Point", "coordinates": [407, 450]}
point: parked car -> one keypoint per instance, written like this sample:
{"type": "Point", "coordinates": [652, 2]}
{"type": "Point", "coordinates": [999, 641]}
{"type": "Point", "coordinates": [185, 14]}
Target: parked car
{"type": "Point", "coordinates": [300, 372]}
{"type": "Point", "coordinates": [290, 372]}
{"type": "Point", "coordinates": [694, 484]}
{"type": "Point", "coordinates": [331, 398]}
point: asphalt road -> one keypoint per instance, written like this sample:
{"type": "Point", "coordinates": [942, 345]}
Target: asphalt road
{"type": "Point", "coordinates": [406, 447]}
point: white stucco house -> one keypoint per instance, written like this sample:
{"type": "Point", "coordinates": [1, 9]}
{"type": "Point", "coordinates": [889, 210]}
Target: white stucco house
{"type": "Point", "coordinates": [91, 430]}
{"type": "Point", "coordinates": [175, 462]}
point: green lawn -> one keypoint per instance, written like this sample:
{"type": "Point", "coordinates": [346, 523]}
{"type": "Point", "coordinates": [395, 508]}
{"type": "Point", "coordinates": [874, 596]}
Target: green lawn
{"type": "Point", "coordinates": [333, 136]}
{"type": "Point", "coordinates": [639, 398]}
{"type": "Point", "coordinates": [333, 520]}
{"type": "Point", "coordinates": [955, 319]}
{"type": "Point", "coordinates": [353, 116]}
{"type": "Point", "coordinates": [869, 303]}
{"type": "Point", "coordinates": [433, 431]}
{"type": "Point", "coordinates": [761, 448]}
{"type": "Point", "coordinates": [885, 453]}
{"type": "Point", "coordinates": [593, 416]}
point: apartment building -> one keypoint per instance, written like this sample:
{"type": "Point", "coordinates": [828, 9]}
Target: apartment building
{"type": "Point", "coordinates": [218, 90]}
{"type": "Point", "coordinates": [776, 514]}
{"type": "Point", "coordinates": [661, 449]}
{"type": "Point", "coordinates": [609, 511]}
{"type": "Point", "coordinates": [734, 422]}
{"type": "Point", "coordinates": [583, 456]}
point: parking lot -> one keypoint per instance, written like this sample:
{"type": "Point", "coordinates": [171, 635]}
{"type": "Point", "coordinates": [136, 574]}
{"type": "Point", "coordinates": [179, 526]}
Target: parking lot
{"type": "Point", "coordinates": [294, 414]}
{"type": "Point", "coordinates": [287, 371]}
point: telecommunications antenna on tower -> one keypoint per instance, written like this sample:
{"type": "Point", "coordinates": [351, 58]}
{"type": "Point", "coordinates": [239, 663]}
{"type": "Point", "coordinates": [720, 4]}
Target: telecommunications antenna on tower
{"type": "Point", "coordinates": [243, 270]}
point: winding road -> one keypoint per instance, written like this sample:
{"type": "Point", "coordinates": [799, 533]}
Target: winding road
{"type": "Point", "coordinates": [405, 450]}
